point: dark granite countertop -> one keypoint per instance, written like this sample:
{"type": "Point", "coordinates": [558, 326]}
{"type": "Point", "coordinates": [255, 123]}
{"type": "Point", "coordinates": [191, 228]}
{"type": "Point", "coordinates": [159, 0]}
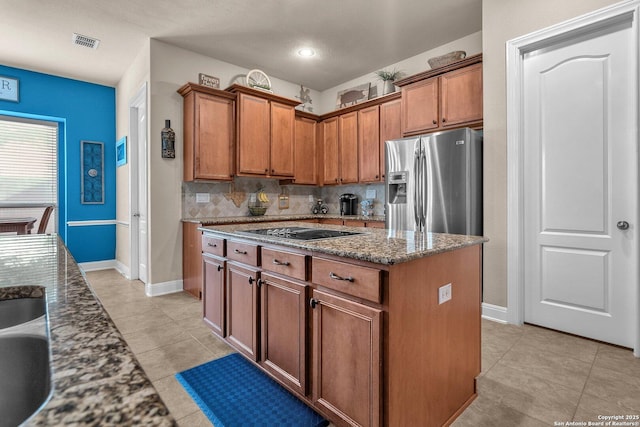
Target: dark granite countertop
{"type": "Point", "coordinates": [96, 379]}
{"type": "Point", "coordinates": [269, 218]}
{"type": "Point", "coordinates": [373, 245]}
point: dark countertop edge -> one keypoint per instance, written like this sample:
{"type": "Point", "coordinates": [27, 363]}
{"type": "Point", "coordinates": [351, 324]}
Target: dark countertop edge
{"type": "Point", "coordinates": [113, 389]}
{"type": "Point", "coordinates": [270, 218]}
{"type": "Point", "coordinates": [379, 239]}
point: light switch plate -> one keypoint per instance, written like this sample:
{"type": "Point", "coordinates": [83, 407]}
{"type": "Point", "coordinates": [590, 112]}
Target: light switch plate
{"type": "Point", "coordinates": [444, 293]}
{"type": "Point", "coordinates": [371, 194]}
{"type": "Point", "coordinates": [203, 198]}
{"type": "Point", "coordinates": [311, 199]}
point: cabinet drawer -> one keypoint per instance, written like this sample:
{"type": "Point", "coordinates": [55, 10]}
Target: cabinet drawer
{"type": "Point", "coordinates": [287, 263]}
{"type": "Point", "coordinates": [362, 282]}
{"type": "Point", "coordinates": [242, 252]}
{"type": "Point", "coordinates": [212, 245]}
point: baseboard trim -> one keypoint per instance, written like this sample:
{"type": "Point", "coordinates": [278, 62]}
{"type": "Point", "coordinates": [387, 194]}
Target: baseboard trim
{"type": "Point", "coordinates": [123, 269]}
{"type": "Point", "coordinates": [494, 313]}
{"type": "Point", "coordinates": [156, 289]}
{"type": "Point", "coordinates": [97, 265]}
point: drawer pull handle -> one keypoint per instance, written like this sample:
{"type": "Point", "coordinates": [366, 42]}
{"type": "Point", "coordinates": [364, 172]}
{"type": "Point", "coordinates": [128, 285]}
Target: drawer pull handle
{"type": "Point", "coordinates": [213, 245]}
{"type": "Point", "coordinates": [336, 277]}
{"type": "Point", "coordinates": [238, 251]}
{"type": "Point", "coordinates": [285, 263]}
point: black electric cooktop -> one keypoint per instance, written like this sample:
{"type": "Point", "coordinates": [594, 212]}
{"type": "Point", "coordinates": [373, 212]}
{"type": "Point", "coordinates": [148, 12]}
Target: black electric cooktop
{"type": "Point", "coordinates": [301, 233]}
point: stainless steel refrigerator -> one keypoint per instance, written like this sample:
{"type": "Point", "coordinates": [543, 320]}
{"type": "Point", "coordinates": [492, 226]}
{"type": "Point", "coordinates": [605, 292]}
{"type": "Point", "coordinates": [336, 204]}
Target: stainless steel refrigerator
{"type": "Point", "coordinates": [434, 182]}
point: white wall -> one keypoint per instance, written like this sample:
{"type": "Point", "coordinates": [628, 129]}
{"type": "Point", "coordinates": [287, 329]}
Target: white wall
{"type": "Point", "coordinates": [503, 20]}
{"type": "Point", "coordinates": [472, 44]}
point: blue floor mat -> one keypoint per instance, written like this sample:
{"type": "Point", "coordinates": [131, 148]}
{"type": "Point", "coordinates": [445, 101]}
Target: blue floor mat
{"type": "Point", "coordinates": [234, 393]}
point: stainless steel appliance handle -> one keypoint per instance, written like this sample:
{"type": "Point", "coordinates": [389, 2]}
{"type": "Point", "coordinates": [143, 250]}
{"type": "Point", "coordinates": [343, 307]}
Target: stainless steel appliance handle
{"type": "Point", "coordinates": [416, 192]}
{"type": "Point", "coordinates": [423, 192]}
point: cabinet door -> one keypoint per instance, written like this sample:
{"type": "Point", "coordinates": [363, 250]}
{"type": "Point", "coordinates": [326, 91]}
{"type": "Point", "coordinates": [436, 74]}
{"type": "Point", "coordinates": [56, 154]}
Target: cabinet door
{"type": "Point", "coordinates": [348, 143]}
{"type": "Point", "coordinates": [253, 135]}
{"type": "Point", "coordinates": [305, 151]}
{"type": "Point", "coordinates": [347, 359]}
{"type": "Point", "coordinates": [282, 139]}
{"type": "Point", "coordinates": [390, 127]}
{"type": "Point", "coordinates": [369, 144]}
{"type": "Point", "coordinates": [330, 172]}
{"type": "Point", "coordinates": [208, 137]}
{"type": "Point", "coordinates": [420, 106]}
{"type": "Point", "coordinates": [461, 96]}
{"type": "Point", "coordinates": [213, 295]}
{"type": "Point", "coordinates": [191, 259]}
{"type": "Point", "coordinates": [283, 306]}
{"type": "Point", "coordinates": [242, 309]}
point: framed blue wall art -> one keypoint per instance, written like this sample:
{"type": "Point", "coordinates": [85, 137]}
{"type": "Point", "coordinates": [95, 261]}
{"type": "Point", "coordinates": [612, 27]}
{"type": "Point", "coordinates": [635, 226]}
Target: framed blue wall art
{"type": "Point", "coordinates": [121, 151]}
{"type": "Point", "coordinates": [92, 160]}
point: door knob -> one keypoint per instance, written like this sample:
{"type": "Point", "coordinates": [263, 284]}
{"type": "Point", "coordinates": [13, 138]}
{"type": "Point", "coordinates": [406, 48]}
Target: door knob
{"type": "Point", "coordinates": [622, 225]}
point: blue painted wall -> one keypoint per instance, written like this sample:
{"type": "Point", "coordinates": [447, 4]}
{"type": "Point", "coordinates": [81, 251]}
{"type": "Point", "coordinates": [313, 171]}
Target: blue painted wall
{"type": "Point", "coordinates": [85, 111]}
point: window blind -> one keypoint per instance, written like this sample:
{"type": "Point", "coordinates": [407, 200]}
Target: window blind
{"type": "Point", "coordinates": [28, 162]}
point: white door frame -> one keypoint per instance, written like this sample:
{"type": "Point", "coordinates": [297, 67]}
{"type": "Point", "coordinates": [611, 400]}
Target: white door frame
{"type": "Point", "coordinates": [516, 49]}
{"type": "Point", "coordinates": [138, 101]}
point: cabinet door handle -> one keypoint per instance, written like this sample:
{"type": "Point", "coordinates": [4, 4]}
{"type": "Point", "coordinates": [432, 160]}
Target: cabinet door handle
{"type": "Point", "coordinates": [213, 245]}
{"type": "Point", "coordinates": [336, 277]}
{"type": "Point", "coordinates": [260, 282]}
{"type": "Point", "coordinates": [238, 251]}
{"type": "Point", "coordinates": [276, 262]}
{"type": "Point", "coordinates": [435, 122]}
{"type": "Point", "coordinates": [444, 120]}
{"type": "Point", "coordinates": [251, 280]}
{"type": "Point", "coordinates": [219, 267]}
{"type": "Point", "coordinates": [313, 303]}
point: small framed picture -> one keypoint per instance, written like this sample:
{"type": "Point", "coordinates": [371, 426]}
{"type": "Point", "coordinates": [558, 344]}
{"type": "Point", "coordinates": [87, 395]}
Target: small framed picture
{"type": "Point", "coordinates": [209, 81]}
{"type": "Point", "coordinates": [121, 151]}
{"type": "Point", "coordinates": [9, 89]}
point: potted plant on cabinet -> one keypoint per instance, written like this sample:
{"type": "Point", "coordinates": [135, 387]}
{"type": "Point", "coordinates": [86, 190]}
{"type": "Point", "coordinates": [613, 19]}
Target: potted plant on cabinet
{"type": "Point", "coordinates": [388, 77]}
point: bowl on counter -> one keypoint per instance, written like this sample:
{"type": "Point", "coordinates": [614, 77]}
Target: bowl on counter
{"type": "Point", "coordinates": [257, 210]}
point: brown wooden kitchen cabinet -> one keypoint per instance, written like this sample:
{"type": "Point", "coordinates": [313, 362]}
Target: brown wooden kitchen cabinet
{"type": "Point", "coordinates": [340, 149]}
{"type": "Point", "coordinates": [390, 128]}
{"type": "Point", "coordinates": [213, 298]}
{"type": "Point", "coordinates": [265, 124]}
{"type": "Point", "coordinates": [242, 308]}
{"type": "Point", "coordinates": [369, 144]}
{"type": "Point", "coordinates": [448, 97]}
{"type": "Point", "coordinates": [209, 130]}
{"type": "Point", "coordinates": [347, 348]}
{"type": "Point", "coordinates": [305, 171]}
{"type": "Point", "coordinates": [192, 259]}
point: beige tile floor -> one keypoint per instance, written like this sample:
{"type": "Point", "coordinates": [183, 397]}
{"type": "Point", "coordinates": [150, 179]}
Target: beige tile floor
{"type": "Point", "coordinates": [530, 376]}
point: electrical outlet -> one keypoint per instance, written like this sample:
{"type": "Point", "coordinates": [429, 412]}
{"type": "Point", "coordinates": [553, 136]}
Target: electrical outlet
{"type": "Point", "coordinates": [444, 293]}
{"type": "Point", "coordinates": [311, 199]}
{"type": "Point", "coordinates": [371, 194]}
{"type": "Point", "coordinates": [202, 198]}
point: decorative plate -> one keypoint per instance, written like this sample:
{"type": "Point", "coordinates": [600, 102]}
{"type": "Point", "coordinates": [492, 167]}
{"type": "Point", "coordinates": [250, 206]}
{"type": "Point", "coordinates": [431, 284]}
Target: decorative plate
{"type": "Point", "coordinates": [257, 79]}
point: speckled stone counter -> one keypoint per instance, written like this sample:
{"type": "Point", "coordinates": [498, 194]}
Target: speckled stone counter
{"type": "Point", "coordinates": [269, 218]}
{"type": "Point", "coordinates": [96, 379]}
{"type": "Point", "coordinates": [373, 245]}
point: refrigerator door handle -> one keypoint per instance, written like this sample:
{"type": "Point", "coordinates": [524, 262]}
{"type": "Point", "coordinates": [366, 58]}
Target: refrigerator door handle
{"type": "Point", "coordinates": [417, 208]}
{"type": "Point", "coordinates": [423, 193]}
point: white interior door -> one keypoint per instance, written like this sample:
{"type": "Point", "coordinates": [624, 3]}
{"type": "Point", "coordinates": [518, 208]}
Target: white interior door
{"type": "Point", "coordinates": [143, 252]}
{"type": "Point", "coordinates": [580, 181]}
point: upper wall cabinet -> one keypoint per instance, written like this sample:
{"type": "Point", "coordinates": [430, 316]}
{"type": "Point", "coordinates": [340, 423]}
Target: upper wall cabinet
{"type": "Point", "coordinates": [447, 97]}
{"type": "Point", "coordinates": [265, 125]}
{"type": "Point", "coordinates": [305, 171]}
{"type": "Point", "coordinates": [209, 129]}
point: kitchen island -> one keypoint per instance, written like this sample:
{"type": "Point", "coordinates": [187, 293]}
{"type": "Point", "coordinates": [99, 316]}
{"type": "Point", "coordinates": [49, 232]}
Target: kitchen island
{"type": "Point", "coordinates": [95, 378]}
{"type": "Point", "coordinates": [375, 328]}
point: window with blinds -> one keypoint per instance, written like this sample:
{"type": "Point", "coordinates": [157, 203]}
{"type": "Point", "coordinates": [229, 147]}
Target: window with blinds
{"type": "Point", "coordinates": [28, 168]}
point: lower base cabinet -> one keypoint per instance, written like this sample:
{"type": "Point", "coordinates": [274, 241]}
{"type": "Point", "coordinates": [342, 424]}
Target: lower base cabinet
{"type": "Point", "coordinates": [283, 324]}
{"type": "Point", "coordinates": [214, 293]}
{"type": "Point", "coordinates": [347, 339]}
{"type": "Point", "coordinates": [242, 309]}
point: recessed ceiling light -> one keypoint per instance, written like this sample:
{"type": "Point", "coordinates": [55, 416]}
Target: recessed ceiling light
{"type": "Point", "coordinates": [306, 52]}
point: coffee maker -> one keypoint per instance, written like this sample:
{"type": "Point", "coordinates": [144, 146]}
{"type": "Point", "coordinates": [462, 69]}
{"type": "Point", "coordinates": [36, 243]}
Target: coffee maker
{"type": "Point", "coordinates": [348, 204]}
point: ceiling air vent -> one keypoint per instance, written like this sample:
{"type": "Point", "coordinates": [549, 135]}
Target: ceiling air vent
{"type": "Point", "coordinates": [85, 41]}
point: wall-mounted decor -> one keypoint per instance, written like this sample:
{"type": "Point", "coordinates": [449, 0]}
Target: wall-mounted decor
{"type": "Point", "coordinates": [92, 182]}
{"type": "Point", "coordinates": [9, 89]}
{"type": "Point", "coordinates": [121, 151]}
{"type": "Point", "coordinates": [209, 81]}
{"type": "Point", "coordinates": [257, 79]}
{"type": "Point", "coordinates": [168, 141]}
{"type": "Point", "coordinates": [305, 98]}
{"type": "Point", "coordinates": [353, 96]}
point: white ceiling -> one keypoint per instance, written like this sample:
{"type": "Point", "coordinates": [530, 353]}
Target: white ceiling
{"type": "Point", "coordinates": [351, 37]}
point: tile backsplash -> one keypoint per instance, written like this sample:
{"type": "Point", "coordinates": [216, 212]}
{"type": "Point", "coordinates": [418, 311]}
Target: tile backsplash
{"type": "Point", "coordinates": [223, 197]}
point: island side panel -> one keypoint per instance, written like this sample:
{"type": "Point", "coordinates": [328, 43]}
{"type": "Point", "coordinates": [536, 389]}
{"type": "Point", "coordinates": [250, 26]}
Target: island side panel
{"type": "Point", "coordinates": [434, 349]}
